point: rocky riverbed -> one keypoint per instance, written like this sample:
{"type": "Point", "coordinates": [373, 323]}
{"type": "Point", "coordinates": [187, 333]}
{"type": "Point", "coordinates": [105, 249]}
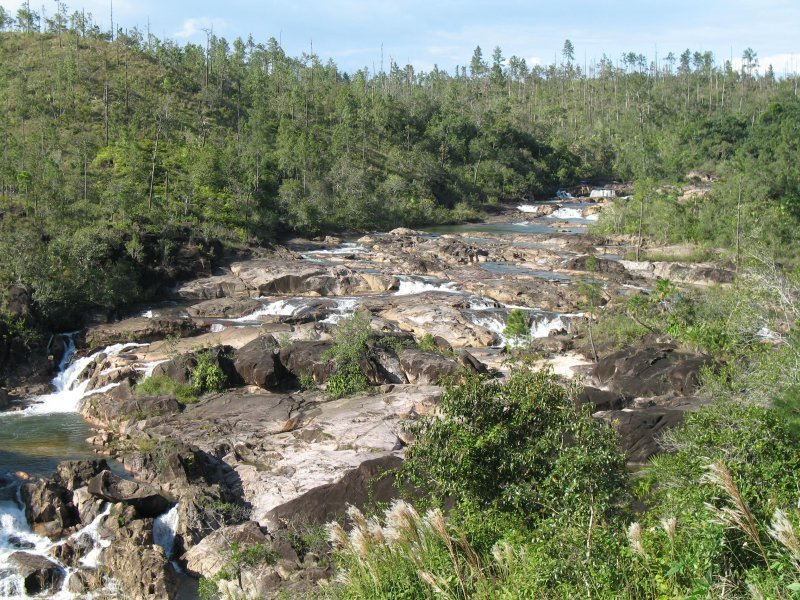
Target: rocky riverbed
{"type": "Point", "coordinates": [266, 461]}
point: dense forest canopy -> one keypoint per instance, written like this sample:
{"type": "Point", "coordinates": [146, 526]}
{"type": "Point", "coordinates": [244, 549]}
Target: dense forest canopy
{"type": "Point", "coordinates": [113, 136]}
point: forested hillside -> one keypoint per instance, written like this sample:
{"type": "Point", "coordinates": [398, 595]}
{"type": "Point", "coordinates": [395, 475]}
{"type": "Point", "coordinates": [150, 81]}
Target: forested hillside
{"type": "Point", "coordinates": [109, 139]}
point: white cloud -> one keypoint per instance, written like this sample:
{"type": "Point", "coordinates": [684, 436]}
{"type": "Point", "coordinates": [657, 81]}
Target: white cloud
{"type": "Point", "coordinates": [196, 25]}
{"type": "Point", "coordinates": [782, 64]}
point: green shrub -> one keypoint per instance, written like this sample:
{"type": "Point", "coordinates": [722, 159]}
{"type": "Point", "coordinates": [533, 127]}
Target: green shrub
{"type": "Point", "coordinates": [350, 347]}
{"type": "Point", "coordinates": [251, 556]}
{"type": "Point", "coordinates": [348, 379]}
{"type": "Point", "coordinates": [207, 375]}
{"type": "Point", "coordinates": [518, 449]}
{"type": "Point", "coordinates": [306, 382]}
{"type": "Point", "coordinates": [162, 385]}
{"type": "Point", "coordinates": [427, 344]}
{"type": "Point", "coordinates": [516, 324]}
{"type": "Point", "coordinates": [207, 589]}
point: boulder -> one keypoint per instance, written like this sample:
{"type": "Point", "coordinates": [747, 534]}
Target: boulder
{"type": "Point", "coordinates": [404, 231]}
{"type": "Point", "coordinates": [440, 314]}
{"type": "Point", "coordinates": [306, 358]}
{"type": "Point", "coordinates": [256, 363]}
{"type": "Point", "coordinates": [212, 554]}
{"type": "Point", "coordinates": [371, 481]}
{"type": "Point", "coordinates": [427, 368]}
{"type": "Point", "coordinates": [546, 295]}
{"type": "Point", "coordinates": [179, 369]}
{"type": "Point", "coordinates": [73, 474]}
{"type": "Point", "coordinates": [470, 362]}
{"type": "Point", "coordinates": [639, 430]}
{"type": "Point", "coordinates": [217, 286]}
{"type": "Point", "coordinates": [388, 365]}
{"type": "Point", "coordinates": [266, 277]}
{"type": "Point", "coordinates": [140, 567]}
{"type": "Point", "coordinates": [108, 410]}
{"type": "Point", "coordinates": [4, 400]}
{"type": "Point", "coordinates": [692, 273]}
{"type": "Point", "coordinates": [48, 507]}
{"type": "Point", "coordinates": [87, 505]}
{"type": "Point", "coordinates": [591, 263]}
{"type": "Point", "coordinates": [601, 400]}
{"type": "Point", "coordinates": [72, 550]}
{"type": "Point", "coordinates": [650, 371]}
{"type": "Point", "coordinates": [39, 574]}
{"type": "Point", "coordinates": [147, 501]}
{"type": "Point", "coordinates": [82, 582]}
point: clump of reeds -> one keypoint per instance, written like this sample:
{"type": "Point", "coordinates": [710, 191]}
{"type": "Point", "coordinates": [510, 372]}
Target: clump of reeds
{"type": "Point", "coordinates": [432, 551]}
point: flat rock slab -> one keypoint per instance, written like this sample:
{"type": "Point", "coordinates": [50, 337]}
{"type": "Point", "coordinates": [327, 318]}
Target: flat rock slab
{"type": "Point", "coordinates": [224, 308]}
{"type": "Point", "coordinates": [140, 329]}
{"type": "Point", "coordinates": [284, 445]}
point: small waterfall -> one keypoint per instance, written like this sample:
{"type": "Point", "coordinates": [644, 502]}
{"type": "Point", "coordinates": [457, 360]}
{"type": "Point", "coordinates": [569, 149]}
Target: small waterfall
{"type": "Point", "coordinates": [69, 389]}
{"type": "Point", "coordinates": [15, 534]}
{"type": "Point", "coordinates": [344, 249]}
{"type": "Point", "coordinates": [417, 285]}
{"type": "Point", "coordinates": [479, 303]}
{"type": "Point", "coordinates": [92, 531]}
{"type": "Point", "coordinates": [164, 528]}
{"type": "Point", "coordinates": [343, 309]}
{"type": "Point", "coordinates": [567, 213]}
{"type": "Point", "coordinates": [494, 324]}
{"type": "Point", "coordinates": [281, 308]}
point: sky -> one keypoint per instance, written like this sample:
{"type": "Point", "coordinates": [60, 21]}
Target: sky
{"type": "Point", "coordinates": [362, 33]}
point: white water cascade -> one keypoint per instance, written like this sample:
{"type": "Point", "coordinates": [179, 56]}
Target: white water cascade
{"type": "Point", "coordinates": [344, 308]}
{"type": "Point", "coordinates": [69, 389]}
{"type": "Point", "coordinates": [567, 213]}
{"type": "Point", "coordinates": [418, 285]}
{"type": "Point", "coordinates": [282, 308]}
{"type": "Point", "coordinates": [164, 529]}
{"type": "Point", "coordinates": [15, 533]}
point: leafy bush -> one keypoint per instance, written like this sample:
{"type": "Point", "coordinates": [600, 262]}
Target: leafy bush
{"type": "Point", "coordinates": [207, 375]}
{"type": "Point", "coordinates": [516, 324]}
{"type": "Point", "coordinates": [517, 449]}
{"type": "Point", "coordinates": [163, 385]}
{"type": "Point", "coordinates": [348, 379]}
{"type": "Point", "coordinates": [427, 344]}
{"type": "Point", "coordinates": [350, 347]}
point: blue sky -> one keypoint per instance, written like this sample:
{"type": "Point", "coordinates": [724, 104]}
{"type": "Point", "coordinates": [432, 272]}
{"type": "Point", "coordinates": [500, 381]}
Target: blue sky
{"type": "Point", "coordinates": [445, 32]}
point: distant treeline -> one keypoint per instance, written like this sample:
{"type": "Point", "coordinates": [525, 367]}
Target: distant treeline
{"type": "Point", "coordinates": [109, 137]}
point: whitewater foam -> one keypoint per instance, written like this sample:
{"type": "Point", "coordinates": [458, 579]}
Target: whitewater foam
{"type": "Point", "coordinates": [410, 286]}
